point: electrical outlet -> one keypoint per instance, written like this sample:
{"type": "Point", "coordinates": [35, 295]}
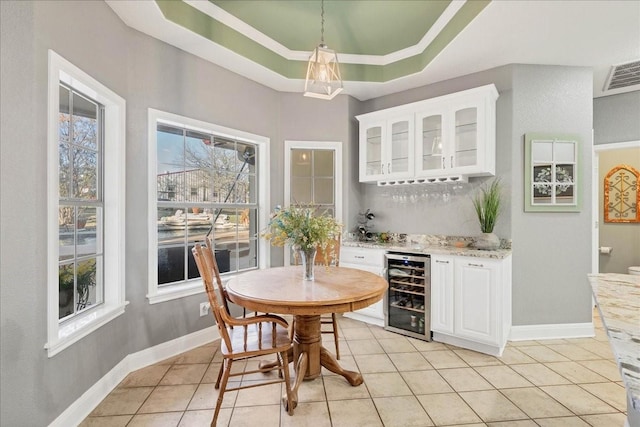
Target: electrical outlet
{"type": "Point", "coordinates": [204, 308]}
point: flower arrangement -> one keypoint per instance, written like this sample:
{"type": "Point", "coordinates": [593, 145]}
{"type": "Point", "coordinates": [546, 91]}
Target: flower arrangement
{"type": "Point", "coordinates": [487, 205]}
{"type": "Point", "coordinates": [302, 227]}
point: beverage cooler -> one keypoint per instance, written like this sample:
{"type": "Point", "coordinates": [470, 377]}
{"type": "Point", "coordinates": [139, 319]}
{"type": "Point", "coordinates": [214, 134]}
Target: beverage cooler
{"type": "Point", "coordinates": [408, 300]}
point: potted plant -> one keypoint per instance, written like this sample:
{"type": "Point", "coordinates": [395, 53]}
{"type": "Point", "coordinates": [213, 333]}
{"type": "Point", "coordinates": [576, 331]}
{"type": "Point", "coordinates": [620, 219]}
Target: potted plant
{"type": "Point", "coordinates": [305, 229]}
{"type": "Point", "coordinates": [487, 204]}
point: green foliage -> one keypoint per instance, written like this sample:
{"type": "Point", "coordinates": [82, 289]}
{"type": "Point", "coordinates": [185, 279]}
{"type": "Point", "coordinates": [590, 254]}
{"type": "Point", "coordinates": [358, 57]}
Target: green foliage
{"type": "Point", "coordinates": [302, 227]}
{"type": "Point", "coordinates": [487, 204]}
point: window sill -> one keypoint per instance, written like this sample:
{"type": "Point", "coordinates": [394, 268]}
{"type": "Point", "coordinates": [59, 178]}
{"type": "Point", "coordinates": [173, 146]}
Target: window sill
{"type": "Point", "coordinates": [83, 326]}
{"type": "Point", "coordinates": [171, 292]}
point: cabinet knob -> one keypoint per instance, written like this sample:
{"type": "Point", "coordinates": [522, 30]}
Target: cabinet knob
{"type": "Point", "coordinates": [389, 167]}
{"type": "Point", "coordinates": [442, 262]}
{"type": "Point", "coordinates": [475, 265]}
{"type": "Point", "coordinates": [451, 161]}
{"type": "Point", "coordinates": [359, 256]}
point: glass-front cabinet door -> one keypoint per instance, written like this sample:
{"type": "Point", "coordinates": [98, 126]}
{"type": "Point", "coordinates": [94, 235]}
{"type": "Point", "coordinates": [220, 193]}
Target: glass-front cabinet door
{"type": "Point", "coordinates": [372, 151]}
{"type": "Point", "coordinates": [466, 138]}
{"type": "Point", "coordinates": [399, 148]}
{"type": "Point", "coordinates": [429, 140]}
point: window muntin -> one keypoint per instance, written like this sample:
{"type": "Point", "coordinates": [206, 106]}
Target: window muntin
{"type": "Point", "coordinates": [206, 184]}
{"type": "Point", "coordinates": [80, 206]}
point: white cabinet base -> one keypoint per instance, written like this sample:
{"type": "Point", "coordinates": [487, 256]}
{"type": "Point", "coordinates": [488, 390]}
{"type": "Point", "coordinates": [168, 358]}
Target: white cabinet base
{"type": "Point", "coordinates": [355, 315]}
{"type": "Point", "coordinates": [491, 350]}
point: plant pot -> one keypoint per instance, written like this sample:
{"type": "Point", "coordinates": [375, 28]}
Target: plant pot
{"type": "Point", "coordinates": [487, 242]}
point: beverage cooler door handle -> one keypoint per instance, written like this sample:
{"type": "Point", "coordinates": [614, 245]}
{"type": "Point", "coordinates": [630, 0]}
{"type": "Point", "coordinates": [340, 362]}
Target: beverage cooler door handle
{"type": "Point", "coordinates": [384, 273]}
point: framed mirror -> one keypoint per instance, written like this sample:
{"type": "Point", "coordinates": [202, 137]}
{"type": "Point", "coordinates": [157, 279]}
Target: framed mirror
{"type": "Point", "coordinates": [552, 173]}
{"type": "Point", "coordinates": [622, 194]}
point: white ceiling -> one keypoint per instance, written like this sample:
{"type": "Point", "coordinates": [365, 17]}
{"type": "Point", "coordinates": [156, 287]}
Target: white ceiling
{"type": "Point", "coordinates": [594, 33]}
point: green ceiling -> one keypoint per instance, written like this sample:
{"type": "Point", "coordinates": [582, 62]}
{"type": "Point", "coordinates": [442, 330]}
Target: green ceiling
{"type": "Point", "coordinates": [351, 27]}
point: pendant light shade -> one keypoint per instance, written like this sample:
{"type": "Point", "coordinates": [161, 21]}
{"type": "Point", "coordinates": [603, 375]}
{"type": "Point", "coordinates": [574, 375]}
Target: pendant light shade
{"type": "Point", "coordinates": [323, 72]}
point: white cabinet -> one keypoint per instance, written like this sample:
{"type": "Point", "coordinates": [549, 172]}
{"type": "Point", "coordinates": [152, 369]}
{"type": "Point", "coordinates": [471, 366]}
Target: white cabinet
{"type": "Point", "coordinates": [386, 148]}
{"type": "Point", "coordinates": [471, 302]}
{"type": "Point", "coordinates": [442, 294]}
{"type": "Point", "coordinates": [371, 260]}
{"type": "Point", "coordinates": [453, 136]}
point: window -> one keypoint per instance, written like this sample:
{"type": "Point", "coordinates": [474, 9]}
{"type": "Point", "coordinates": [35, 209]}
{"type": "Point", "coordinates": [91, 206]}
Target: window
{"type": "Point", "coordinates": [85, 255]}
{"type": "Point", "coordinates": [205, 180]}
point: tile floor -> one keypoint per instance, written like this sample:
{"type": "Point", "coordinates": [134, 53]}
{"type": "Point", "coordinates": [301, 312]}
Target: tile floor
{"type": "Point", "coordinates": [407, 382]}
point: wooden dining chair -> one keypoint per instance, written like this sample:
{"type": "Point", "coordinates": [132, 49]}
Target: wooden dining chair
{"type": "Point", "coordinates": [244, 338]}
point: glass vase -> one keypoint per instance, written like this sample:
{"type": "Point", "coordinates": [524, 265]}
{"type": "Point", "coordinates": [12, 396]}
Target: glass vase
{"type": "Point", "coordinates": [308, 257]}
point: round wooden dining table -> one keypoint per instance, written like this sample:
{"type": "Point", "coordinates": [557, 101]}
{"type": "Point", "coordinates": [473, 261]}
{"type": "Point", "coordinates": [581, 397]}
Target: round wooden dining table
{"type": "Point", "coordinates": [282, 290]}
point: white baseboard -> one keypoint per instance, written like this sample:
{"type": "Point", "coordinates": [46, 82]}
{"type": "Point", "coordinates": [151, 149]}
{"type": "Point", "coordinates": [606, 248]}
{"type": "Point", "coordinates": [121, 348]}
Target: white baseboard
{"type": "Point", "coordinates": [551, 331]}
{"type": "Point", "coordinates": [367, 319]}
{"type": "Point", "coordinates": [493, 350]}
{"type": "Point", "coordinates": [82, 407]}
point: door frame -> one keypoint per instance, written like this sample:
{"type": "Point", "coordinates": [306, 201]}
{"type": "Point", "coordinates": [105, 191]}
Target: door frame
{"type": "Point", "coordinates": [595, 198]}
{"type": "Point", "coordinates": [336, 146]}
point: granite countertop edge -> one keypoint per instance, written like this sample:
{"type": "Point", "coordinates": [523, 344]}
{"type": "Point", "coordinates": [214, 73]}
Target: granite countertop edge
{"type": "Point", "coordinates": [430, 249]}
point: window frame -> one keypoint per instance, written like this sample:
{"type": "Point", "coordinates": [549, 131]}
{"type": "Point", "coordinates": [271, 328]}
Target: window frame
{"type": "Point", "coordinates": [157, 294]}
{"type": "Point", "coordinates": [62, 334]}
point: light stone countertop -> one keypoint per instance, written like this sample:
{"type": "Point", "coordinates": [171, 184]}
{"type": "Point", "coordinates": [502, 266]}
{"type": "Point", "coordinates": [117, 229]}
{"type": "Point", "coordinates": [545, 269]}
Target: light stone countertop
{"type": "Point", "coordinates": [430, 249]}
{"type": "Point", "coordinates": [618, 300]}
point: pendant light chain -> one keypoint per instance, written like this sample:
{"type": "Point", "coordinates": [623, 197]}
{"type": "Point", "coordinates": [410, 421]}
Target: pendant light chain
{"type": "Point", "coordinates": [322, 25]}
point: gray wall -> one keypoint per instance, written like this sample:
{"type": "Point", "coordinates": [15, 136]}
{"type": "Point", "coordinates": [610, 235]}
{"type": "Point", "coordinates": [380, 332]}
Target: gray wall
{"type": "Point", "coordinates": [624, 238]}
{"type": "Point", "coordinates": [551, 251]}
{"type": "Point", "coordinates": [616, 118]}
{"type": "Point", "coordinates": [35, 389]}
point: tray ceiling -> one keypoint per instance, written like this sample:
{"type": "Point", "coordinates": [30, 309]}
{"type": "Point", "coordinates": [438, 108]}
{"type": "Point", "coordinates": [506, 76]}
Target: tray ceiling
{"type": "Point", "coordinates": [389, 46]}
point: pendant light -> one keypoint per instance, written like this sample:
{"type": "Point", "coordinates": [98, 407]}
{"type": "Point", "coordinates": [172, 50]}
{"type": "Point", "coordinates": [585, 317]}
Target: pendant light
{"type": "Point", "coordinates": [323, 73]}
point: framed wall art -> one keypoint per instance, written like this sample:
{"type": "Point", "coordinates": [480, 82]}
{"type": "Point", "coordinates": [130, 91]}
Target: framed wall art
{"type": "Point", "coordinates": [622, 194]}
{"type": "Point", "coordinates": [552, 173]}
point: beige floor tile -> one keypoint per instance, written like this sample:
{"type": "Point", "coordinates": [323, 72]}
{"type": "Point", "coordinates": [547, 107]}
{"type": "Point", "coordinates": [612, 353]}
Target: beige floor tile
{"type": "Point", "coordinates": [611, 393]}
{"type": "Point", "coordinates": [447, 409]}
{"type": "Point", "coordinates": [204, 417]}
{"type": "Point", "coordinates": [381, 333]}
{"type": "Point", "coordinates": [345, 323]}
{"type": "Point", "coordinates": [164, 419]}
{"type": "Point", "coordinates": [357, 334]}
{"type": "Point", "coordinates": [253, 365]}
{"type": "Point", "coordinates": [374, 363]}
{"type": "Point", "coordinates": [337, 388]}
{"type": "Point", "coordinates": [365, 347]}
{"type": "Point", "coordinates": [211, 374]}
{"type": "Point", "coordinates": [562, 422]}
{"type": "Point", "coordinates": [354, 413]}
{"type": "Point", "coordinates": [575, 372]}
{"type": "Point", "coordinates": [110, 421]}
{"type": "Point", "coordinates": [169, 398]}
{"type": "Point", "coordinates": [602, 349]}
{"type": "Point", "coordinates": [522, 343]}
{"type": "Point", "coordinates": [606, 368]}
{"type": "Point", "coordinates": [270, 394]}
{"type": "Point", "coordinates": [444, 359]}
{"type": "Point", "coordinates": [202, 354]}
{"type": "Point", "coordinates": [539, 374]}
{"type": "Point", "coordinates": [149, 376]}
{"type": "Point", "coordinates": [606, 420]}
{"type": "Point", "coordinates": [252, 416]}
{"type": "Point", "coordinates": [402, 411]}
{"type": "Point", "coordinates": [386, 384]}
{"type": "Point", "coordinates": [520, 423]}
{"type": "Point", "coordinates": [554, 341]}
{"type": "Point", "coordinates": [574, 352]}
{"type": "Point", "coordinates": [464, 379]}
{"type": "Point", "coordinates": [512, 355]}
{"type": "Point", "coordinates": [491, 405]}
{"type": "Point", "coordinates": [535, 403]}
{"type": "Point", "coordinates": [543, 354]}
{"type": "Point", "coordinates": [577, 400]}
{"type": "Point", "coordinates": [473, 358]}
{"type": "Point", "coordinates": [184, 374]}
{"type": "Point", "coordinates": [422, 345]}
{"type": "Point", "coordinates": [469, 425]}
{"type": "Point", "coordinates": [502, 377]}
{"type": "Point", "coordinates": [410, 361]}
{"type": "Point", "coordinates": [307, 414]}
{"type": "Point", "coordinates": [426, 382]}
{"type": "Point", "coordinates": [312, 391]}
{"type": "Point", "coordinates": [396, 345]}
{"type": "Point", "coordinates": [123, 401]}
{"type": "Point", "coordinates": [206, 397]}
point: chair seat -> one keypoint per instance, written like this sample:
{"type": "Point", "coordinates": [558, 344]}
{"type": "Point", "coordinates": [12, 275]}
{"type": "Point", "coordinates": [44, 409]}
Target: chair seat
{"type": "Point", "coordinates": [256, 339]}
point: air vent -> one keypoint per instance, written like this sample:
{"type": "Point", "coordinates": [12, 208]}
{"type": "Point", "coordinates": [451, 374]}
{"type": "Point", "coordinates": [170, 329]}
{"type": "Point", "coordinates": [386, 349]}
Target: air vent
{"type": "Point", "coordinates": [623, 75]}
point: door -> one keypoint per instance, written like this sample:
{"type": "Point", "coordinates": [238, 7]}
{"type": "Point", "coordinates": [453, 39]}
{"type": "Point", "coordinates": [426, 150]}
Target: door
{"type": "Point", "coordinates": [442, 294]}
{"type": "Point", "coordinates": [372, 151]}
{"type": "Point", "coordinates": [313, 176]}
{"type": "Point", "coordinates": [399, 148]}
